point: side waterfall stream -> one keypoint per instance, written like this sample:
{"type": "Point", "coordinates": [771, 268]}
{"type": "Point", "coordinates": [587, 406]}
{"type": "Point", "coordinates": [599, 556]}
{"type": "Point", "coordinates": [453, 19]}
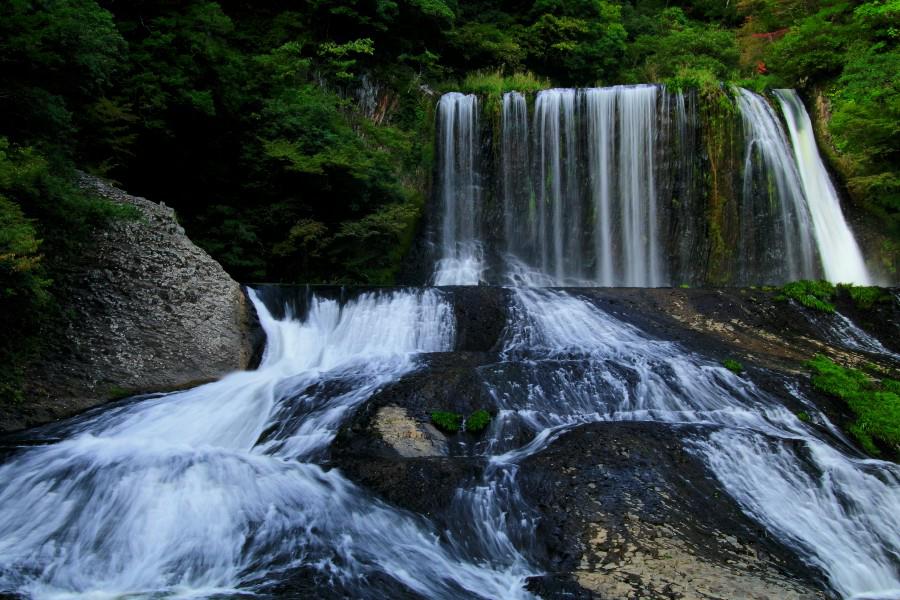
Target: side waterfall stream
{"type": "Point", "coordinates": [220, 490]}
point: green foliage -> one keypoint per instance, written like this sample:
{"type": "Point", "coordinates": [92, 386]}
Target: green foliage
{"type": "Point", "coordinates": [39, 212]}
{"type": "Point", "coordinates": [489, 43]}
{"type": "Point", "coordinates": [803, 416]}
{"type": "Point", "coordinates": [679, 49]}
{"type": "Point", "coordinates": [579, 41]}
{"type": "Point", "coordinates": [339, 60]}
{"type": "Point", "coordinates": [478, 421]}
{"type": "Point", "coordinates": [733, 366]}
{"type": "Point", "coordinates": [865, 297]}
{"type": "Point", "coordinates": [55, 58]}
{"type": "Point", "coordinates": [875, 404]}
{"type": "Point", "coordinates": [449, 422]}
{"type": "Point", "coordinates": [811, 294]}
{"type": "Point", "coordinates": [495, 83]}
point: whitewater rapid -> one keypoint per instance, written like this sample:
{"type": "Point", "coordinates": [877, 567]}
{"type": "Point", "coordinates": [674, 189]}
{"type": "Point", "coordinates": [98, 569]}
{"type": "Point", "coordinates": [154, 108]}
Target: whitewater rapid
{"type": "Point", "coordinates": [220, 490]}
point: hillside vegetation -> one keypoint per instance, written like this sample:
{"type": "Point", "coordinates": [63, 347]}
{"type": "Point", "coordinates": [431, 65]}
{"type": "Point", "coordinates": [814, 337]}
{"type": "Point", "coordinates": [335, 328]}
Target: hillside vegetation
{"type": "Point", "coordinates": [294, 139]}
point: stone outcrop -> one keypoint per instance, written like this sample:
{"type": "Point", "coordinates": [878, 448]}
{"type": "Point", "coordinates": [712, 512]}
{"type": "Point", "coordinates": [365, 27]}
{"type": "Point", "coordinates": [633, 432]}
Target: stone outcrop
{"type": "Point", "coordinates": [143, 309]}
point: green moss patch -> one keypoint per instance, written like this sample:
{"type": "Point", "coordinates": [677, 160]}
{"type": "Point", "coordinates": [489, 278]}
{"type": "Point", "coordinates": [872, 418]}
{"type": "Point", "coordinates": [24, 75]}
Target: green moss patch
{"type": "Point", "coordinates": [451, 422]}
{"type": "Point", "coordinates": [865, 297]}
{"type": "Point", "coordinates": [811, 294]}
{"type": "Point", "coordinates": [875, 403]}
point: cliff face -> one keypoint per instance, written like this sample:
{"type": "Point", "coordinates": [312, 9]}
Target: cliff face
{"type": "Point", "coordinates": [144, 309]}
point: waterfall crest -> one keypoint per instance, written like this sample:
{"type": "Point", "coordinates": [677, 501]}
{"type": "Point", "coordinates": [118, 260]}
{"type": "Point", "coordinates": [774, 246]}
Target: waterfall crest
{"type": "Point", "coordinates": [605, 186]}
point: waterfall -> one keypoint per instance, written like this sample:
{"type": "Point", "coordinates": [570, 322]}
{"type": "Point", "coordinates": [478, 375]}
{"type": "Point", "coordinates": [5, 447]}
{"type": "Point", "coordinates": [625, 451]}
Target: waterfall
{"type": "Point", "coordinates": [839, 512]}
{"type": "Point", "coordinates": [558, 205]}
{"type": "Point", "coordinates": [841, 257]}
{"type": "Point", "coordinates": [601, 109]}
{"type": "Point", "coordinates": [588, 213]}
{"type": "Point", "coordinates": [604, 186]}
{"type": "Point", "coordinates": [217, 491]}
{"type": "Point", "coordinates": [518, 211]}
{"type": "Point", "coordinates": [221, 490]}
{"type": "Point", "coordinates": [776, 232]}
{"type": "Point", "coordinates": [461, 261]}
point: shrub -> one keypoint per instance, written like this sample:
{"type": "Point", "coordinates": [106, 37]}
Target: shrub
{"type": "Point", "coordinates": [733, 366]}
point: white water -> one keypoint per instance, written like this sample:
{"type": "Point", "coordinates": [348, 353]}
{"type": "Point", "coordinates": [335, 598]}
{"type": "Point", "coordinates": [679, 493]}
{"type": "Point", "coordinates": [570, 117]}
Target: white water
{"type": "Point", "coordinates": [839, 512]}
{"type": "Point", "coordinates": [604, 186]}
{"type": "Point", "coordinates": [462, 260]}
{"type": "Point", "coordinates": [582, 208]}
{"type": "Point", "coordinates": [216, 489]}
{"type": "Point", "coordinates": [772, 195]}
{"type": "Point", "coordinates": [841, 256]}
{"type": "Point", "coordinates": [556, 192]}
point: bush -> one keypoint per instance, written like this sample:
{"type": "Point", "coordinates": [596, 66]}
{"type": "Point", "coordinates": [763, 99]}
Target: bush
{"type": "Point", "coordinates": [733, 366]}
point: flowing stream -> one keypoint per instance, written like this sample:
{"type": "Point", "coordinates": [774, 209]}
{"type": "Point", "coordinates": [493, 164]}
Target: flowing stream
{"type": "Point", "coordinates": [219, 490]}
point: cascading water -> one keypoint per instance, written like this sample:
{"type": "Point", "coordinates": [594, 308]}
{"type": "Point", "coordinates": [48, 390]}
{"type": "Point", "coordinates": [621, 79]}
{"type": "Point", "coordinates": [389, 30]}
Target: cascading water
{"type": "Point", "coordinates": [776, 232]}
{"type": "Point", "coordinates": [462, 259]}
{"type": "Point", "coordinates": [601, 110]}
{"type": "Point", "coordinates": [839, 512]}
{"type": "Point", "coordinates": [215, 490]}
{"type": "Point", "coordinates": [518, 212]}
{"type": "Point", "coordinates": [558, 204]}
{"type": "Point", "coordinates": [218, 491]}
{"type": "Point", "coordinates": [840, 253]}
{"type": "Point", "coordinates": [589, 213]}
{"type": "Point", "coordinates": [606, 188]}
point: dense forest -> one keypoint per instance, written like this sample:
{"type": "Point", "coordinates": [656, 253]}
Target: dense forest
{"type": "Point", "coordinates": [294, 139]}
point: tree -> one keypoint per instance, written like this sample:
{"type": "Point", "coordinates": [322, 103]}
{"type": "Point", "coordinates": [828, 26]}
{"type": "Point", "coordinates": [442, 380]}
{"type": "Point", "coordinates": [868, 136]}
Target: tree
{"type": "Point", "coordinates": [577, 42]}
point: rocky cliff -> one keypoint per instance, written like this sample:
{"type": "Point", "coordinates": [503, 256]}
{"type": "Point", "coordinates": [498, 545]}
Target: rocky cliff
{"type": "Point", "coordinates": [143, 309]}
